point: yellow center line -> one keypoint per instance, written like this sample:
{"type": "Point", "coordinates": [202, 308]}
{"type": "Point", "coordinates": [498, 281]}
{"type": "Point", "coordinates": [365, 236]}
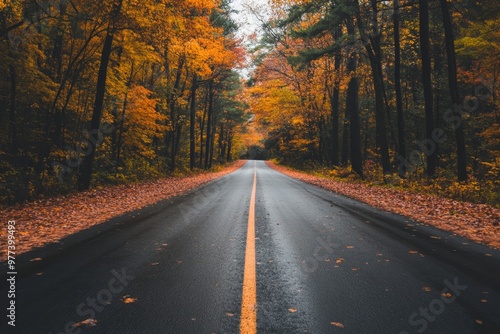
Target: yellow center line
{"type": "Point", "coordinates": [248, 324]}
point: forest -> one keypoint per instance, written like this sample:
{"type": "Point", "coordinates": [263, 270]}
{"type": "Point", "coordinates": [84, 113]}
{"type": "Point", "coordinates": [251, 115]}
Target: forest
{"type": "Point", "coordinates": [393, 93]}
{"type": "Point", "coordinates": [397, 93]}
{"type": "Point", "coordinates": [115, 91]}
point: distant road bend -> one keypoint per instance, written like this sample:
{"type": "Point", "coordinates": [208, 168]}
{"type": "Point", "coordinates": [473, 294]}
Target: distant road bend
{"type": "Point", "coordinates": [259, 252]}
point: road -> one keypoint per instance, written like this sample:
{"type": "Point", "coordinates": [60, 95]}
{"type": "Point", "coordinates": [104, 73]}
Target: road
{"type": "Point", "coordinates": [317, 262]}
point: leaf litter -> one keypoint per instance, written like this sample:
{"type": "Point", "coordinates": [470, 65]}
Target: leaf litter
{"type": "Point", "coordinates": [46, 221]}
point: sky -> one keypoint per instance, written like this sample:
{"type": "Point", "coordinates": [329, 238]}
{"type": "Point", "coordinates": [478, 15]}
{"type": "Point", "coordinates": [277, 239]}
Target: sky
{"type": "Point", "coordinates": [247, 21]}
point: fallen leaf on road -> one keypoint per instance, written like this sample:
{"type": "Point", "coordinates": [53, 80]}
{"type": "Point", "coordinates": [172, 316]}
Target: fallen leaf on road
{"type": "Point", "coordinates": [292, 310]}
{"type": "Point", "coordinates": [128, 300]}
{"type": "Point", "coordinates": [337, 324]}
{"type": "Point", "coordinates": [87, 322]}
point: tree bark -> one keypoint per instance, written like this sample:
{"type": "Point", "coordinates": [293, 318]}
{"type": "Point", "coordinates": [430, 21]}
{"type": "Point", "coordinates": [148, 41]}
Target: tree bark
{"type": "Point", "coordinates": [85, 176]}
{"type": "Point", "coordinates": [202, 127]}
{"type": "Point", "coordinates": [427, 85]}
{"type": "Point", "coordinates": [455, 99]}
{"type": "Point", "coordinates": [372, 46]}
{"type": "Point", "coordinates": [209, 123]}
{"type": "Point", "coordinates": [397, 87]}
{"type": "Point", "coordinates": [170, 138]}
{"type": "Point", "coordinates": [353, 110]}
{"type": "Point", "coordinates": [14, 144]}
{"type": "Point", "coordinates": [192, 119]}
{"type": "Point", "coordinates": [334, 102]}
{"type": "Point", "coordinates": [119, 126]}
{"type": "Point", "coordinates": [352, 106]}
{"type": "Point", "coordinates": [212, 142]}
{"type": "Point", "coordinates": [229, 147]}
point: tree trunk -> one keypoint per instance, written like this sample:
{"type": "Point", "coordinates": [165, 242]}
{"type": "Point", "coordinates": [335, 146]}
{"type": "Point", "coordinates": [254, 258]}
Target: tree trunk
{"type": "Point", "coordinates": [344, 154]}
{"type": "Point", "coordinates": [438, 64]}
{"type": "Point", "coordinates": [221, 142]}
{"type": "Point", "coordinates": [334, 102]}
{"type": "Point", "coordinates": [192, 117]}
{"type": "Point", "coordinates": [397, 87]}
{"type": "Point", "coordinates": [381, 124]}
{"type": "Point", "coordinates": [170, 139]}
{"type": "Point", "coordinates": [455, 99]}
{"type": "Point", "coordinates": [209, 123]}
{"type": "Point", "coordinates": [14, 144]}
{"type": "Point", "coordinates": [119, 126]}
{"type": "Point", "coordinates": [202, 128]}
{"type": "Point", "coordinates": [175, 147]}
{"type": "Point", "coordinates": [229, 147]}
{"type": "Point", "coordinates": [212, 143]}
{"type": "Point", "coordinates": [372, 46]}
{"type": "Point", "coordinates": [353, 109]}
{"type": "Point", "coordinates": [427, 83]}
{"type": "Point", "coordinates": [56, 74]}
{"type": "Point", "coordinates": [85, 176]}
{"type": "Point", "coordinates": [352, 106]}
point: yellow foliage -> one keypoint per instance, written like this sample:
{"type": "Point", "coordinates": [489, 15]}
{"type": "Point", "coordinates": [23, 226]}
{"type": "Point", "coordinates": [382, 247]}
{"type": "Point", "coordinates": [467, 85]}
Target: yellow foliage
{"type": "Point", "coordinates": [142, 122]}
{"type": "Point", "coordinates": [492, 138]}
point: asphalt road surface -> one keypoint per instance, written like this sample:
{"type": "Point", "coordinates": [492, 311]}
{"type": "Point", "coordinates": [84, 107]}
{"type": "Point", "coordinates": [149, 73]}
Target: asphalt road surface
{"type": "Point", "coordinates": [316, 262]}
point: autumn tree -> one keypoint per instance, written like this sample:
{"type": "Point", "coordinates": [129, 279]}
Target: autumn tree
{"type": "Point", "coordinates": [88, 161]}
{"type": "Point", "coordinates": [97, 92]}
{"type": "Point", "coordinates": [401, 66]}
